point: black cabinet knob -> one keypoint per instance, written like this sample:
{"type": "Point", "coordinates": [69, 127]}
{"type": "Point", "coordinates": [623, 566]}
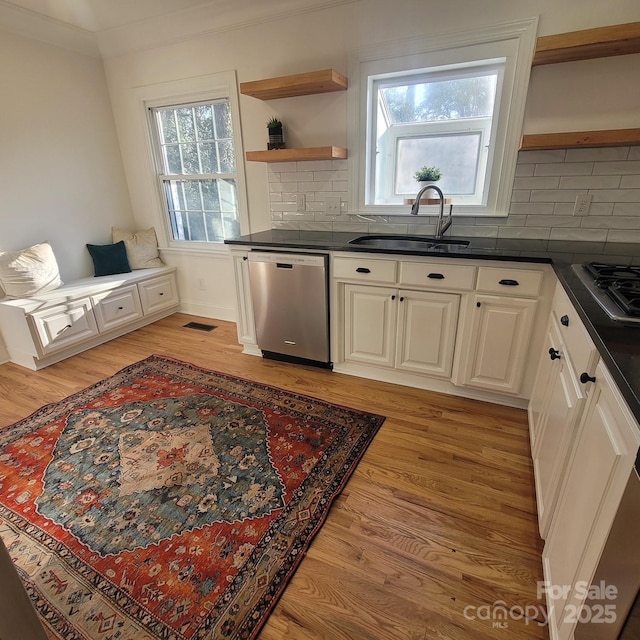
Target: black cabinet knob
{"type": "Point", "coordinates": [585, 377]}
{"type": "Point", "coordinates": [393, 297]}
{"type": "Point", "coordinates": [564, 321]}
{"type": "Point", "coordinates": [554, 354]}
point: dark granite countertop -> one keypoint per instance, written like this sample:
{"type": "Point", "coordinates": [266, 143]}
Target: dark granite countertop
{"type": "Point", "coordinates": [618, 344]}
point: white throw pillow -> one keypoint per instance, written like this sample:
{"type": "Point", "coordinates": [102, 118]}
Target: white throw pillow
{"type": "Point", "coordinates": [142, 247]}
{"type": "Point", "coordinates": [29, 271]}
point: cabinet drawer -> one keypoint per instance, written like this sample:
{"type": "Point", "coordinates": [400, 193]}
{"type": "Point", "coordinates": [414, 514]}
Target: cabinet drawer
{"type": "Point", "coordinates": [582, 352]}
{"type": "Point", "coordinates": [515, 282]}
{"type": "Point", "coordinates": [158, 293]}
{"type": "Point", "coordinates": [365, 269]}
{"type": "Point", "coordinates": [435, 275]}
{"type": "Point", "coordinates": [64, 325]}
{"type": "Point", "coordinates": [117, 307]}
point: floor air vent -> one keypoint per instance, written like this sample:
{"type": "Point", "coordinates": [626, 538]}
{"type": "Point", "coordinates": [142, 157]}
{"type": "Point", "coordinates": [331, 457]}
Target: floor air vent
{"type": "Point", "coordinates": [200, 326]}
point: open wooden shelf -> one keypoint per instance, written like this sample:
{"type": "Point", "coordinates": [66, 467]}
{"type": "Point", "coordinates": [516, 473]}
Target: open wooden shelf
{"type": "Point", "coordinates": [301, 84]}
{"type": "Point", "coordinates": [292, 155]}
{"type": "Point", "coordinates": [602, 42]}
{"type": "Point", "coordinates": [572, 140]}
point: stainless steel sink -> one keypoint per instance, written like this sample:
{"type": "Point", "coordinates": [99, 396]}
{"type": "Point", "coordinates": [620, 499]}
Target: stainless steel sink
{"type": "Point", "coordinates": [408, 243]}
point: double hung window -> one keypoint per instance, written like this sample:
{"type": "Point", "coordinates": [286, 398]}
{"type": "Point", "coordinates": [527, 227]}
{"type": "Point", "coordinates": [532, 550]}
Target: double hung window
{"type": "Point", "coordinates": [197, 169]}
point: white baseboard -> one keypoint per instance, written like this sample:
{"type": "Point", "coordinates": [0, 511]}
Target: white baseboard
{"type": "Point", "coordinates": [207, 311]}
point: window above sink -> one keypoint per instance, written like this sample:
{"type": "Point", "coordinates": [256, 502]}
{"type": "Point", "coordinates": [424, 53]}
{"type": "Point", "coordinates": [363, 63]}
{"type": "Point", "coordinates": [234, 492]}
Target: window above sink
{"type": "Point", "coordinates": [455, 101]}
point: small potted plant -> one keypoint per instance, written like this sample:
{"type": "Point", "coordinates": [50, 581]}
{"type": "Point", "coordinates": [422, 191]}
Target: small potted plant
{"type": "Point", "coordinates": [276, 137]}
{"type": "Point", "coordinates": [428, 175]}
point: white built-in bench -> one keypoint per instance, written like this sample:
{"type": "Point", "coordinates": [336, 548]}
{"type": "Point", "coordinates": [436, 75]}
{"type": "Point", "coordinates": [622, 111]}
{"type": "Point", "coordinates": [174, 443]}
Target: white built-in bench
{"type": "Point", "coordinates": [50, 327]}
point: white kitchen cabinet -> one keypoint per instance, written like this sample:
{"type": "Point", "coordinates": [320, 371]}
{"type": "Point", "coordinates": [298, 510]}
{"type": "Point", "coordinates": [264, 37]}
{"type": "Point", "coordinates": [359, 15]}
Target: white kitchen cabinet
{"type": "Point", "coordinates": [408, 330]}
{"type": "Point", "coordinates": [499, 342]}
{"type": "Point", "coordinates": [599, 467]}
{"type": "Point", "coordinates": [49, 327]}
{"type": "Point", "coordinates": [370, 316]}
{"type": "Point", "coordinates": [557, 401]}
{"type": "Point", "coordinates": [501, 334]}
{"type": "Point", "coordinates": [245, 322]}
{"type": "Point", "coordinates": [427, 323]}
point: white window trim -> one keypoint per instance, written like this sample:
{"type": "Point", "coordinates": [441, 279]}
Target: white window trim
{"type": "Point", "coordinates": [189, 90]}
{"type": "Point", "coordinates": [514, 41]}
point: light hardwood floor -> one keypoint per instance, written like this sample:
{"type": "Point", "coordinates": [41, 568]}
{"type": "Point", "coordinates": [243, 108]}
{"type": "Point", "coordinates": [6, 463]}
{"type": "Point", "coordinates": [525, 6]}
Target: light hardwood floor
{"type": "Point", "coordinates": [437, 523]}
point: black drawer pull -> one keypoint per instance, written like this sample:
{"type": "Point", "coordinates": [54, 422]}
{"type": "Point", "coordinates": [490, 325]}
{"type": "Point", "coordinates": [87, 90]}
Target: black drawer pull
{"type": "Point", "coordinates": [509, 283]}
{"type": "Point", "coordinates": [564, 321]}
{"type": "Point", "coordinates": [554, 354]}
{"type": "Point", "coordinates": [120, 308]}
{"type": "Point", "coordinates": [284, 265]}
{"type": "Point", "coordinates": [64, 329]}
{"type": "Point", "coordinates": [436, 276]}
{"type": "Point", "coordinates": [363, 270]}
{"type": "Point", "coordinates": [585, 377]}
{"type": "Point", "coordinates": [161, 293]}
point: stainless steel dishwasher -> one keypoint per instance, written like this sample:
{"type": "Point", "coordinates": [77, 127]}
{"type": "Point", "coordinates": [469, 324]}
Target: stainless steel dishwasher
{"type": "Point", "coordinates": [291, 305]}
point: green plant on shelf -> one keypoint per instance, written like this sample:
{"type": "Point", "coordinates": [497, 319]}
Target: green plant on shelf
{"type": "Point", "coordinates": [428, 174]}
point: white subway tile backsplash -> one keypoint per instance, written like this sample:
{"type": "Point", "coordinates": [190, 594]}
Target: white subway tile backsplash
{"type": "Point", "coordinates": [584, 235]}
{"type": "Point", "coordinates": [542, 201]}
{"type": "Point", "coordinates": [564, 169]}
{"type": "Point", "coordinates": [589, 182]}
{"type": "Point", "coordinates": [597, 154]}
{"type": "Point", "coordinates": [621, 168]}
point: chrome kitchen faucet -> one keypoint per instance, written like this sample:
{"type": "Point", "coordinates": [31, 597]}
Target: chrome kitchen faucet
{"type": "Point", "coordinates": [442, 224]}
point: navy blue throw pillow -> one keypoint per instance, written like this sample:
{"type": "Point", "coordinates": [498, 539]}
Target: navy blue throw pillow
{"type": "Point", "coordinates": [109, 259]}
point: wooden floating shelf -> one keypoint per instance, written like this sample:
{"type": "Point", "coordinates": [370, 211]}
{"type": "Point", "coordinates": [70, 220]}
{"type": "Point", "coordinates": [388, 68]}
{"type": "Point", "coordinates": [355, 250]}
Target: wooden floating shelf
{"type": "Point", "coordinates": [292, 155]}
{"type": "Point", "coordinates": [616, 40]}
{"type": "Point", "coordinates": [572, 140]}
{"type": "Point", "coordinates": [427, 200]}
{"type": "Point", "coordinates": [301, 84]}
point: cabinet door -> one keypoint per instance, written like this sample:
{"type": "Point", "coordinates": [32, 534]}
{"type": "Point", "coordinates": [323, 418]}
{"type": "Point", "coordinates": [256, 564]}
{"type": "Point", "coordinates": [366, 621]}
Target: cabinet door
{"type": "Point", "coordinates": [564, 403]}
{"type": "Point", "coordinates": [245, 323]}
{"type": "Point", "coordinates": [115, 308]}
{"type": "Point", "coordinates": [427, 332]}
{"type": "Point", "coordinates": [158, 293]}
{"type": "Point", "coordinates": [369, 324]}
{"type": "Point", "coordinates": [500, 333]}
{"type": "Point", "coordinates": [64, 325]}
{"type": "Point", "coordinates": [599, 468]}
{"type": "Point", "coordinates": [546, 377]}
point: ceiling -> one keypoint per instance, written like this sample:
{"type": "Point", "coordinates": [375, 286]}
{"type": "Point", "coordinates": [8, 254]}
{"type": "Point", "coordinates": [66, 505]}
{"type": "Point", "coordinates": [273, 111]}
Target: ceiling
{"type": "Point", "coordinates": [100, 15]}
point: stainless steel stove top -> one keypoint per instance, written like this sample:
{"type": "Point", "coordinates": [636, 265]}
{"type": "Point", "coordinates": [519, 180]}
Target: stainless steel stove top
{"type": "Point", "coordinates": [599, 290]}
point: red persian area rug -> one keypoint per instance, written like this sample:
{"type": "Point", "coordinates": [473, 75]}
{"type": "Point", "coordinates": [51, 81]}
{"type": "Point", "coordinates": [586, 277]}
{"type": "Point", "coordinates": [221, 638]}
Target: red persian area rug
{"type": "Point", "coordinates": [169, 501]}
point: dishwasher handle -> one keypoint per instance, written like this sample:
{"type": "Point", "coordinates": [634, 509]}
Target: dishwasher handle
{"type": "Point", "coordinates": [284, 265]}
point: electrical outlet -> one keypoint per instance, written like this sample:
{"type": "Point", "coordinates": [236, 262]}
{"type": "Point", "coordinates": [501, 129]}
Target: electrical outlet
{"type": "Point", "coordinates": [333, 206]}
{"type": "Point", "coordinates": [301, 203]}
{"type": "Point", "coordinates": [583, 202]}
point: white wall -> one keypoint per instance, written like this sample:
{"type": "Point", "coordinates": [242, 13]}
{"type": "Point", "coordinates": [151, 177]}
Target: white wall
{"type": "Point", "coordinates": [573, 96]}
{"type": "Point", "coordinates": [60, 166]}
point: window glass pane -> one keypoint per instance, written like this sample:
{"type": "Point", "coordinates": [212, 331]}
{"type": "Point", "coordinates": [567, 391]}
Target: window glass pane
{"type": "Point", "coordinates": [210, 195]}
{"type": "Point", "coordinates": [223, 120]}
{"type": "Point", "coordinates": [440, 99]}
{"type": "Point", "coordinates": [197, 231]}
{"type": "Point", "coordinates": [190, 161]}
{"type": "Point", "coordinates": [204, 122]}
{"type": "Point", "coordinates": [172, 159]}
{"type": "Point", "coordinates": [456, 155]}
{"type": "Point", "coordinates": [227, 157]}
{"type": "Point", "coordinates": [214, 226]}
{"type": "Point", "coordinates": [186, 129]}
{"type": "Point", "coordinates": [169, 132]}
{"type": "Point", "coordinates": [192, 194]}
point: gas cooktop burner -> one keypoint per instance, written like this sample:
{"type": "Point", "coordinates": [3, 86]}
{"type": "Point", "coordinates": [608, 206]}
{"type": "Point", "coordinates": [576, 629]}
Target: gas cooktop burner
{"type": "Point", "coordinates": [615, 287]}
